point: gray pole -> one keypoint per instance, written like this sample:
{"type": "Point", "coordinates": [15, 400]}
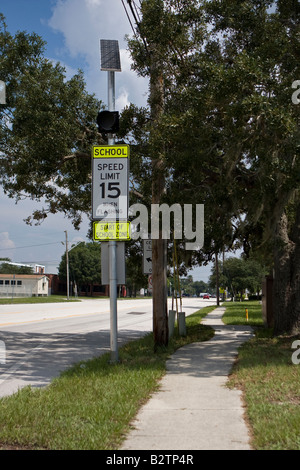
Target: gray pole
{"type": "Point", "coordinates": [67, 263]}
{"type": "Point", "coordinates": [112, 246]}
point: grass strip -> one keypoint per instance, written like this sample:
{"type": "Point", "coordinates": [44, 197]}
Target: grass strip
{"type": "Point", "coordinates": [36, 300]}
{"type": "Point", "coordinates": [235, 313]}
{"type": "Point", "coordinates": [269, 380]}
{"type": "Point", "coordinates": [90, 406]}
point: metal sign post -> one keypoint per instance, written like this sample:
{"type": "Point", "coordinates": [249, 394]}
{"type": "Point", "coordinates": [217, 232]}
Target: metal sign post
{"type": "Point", "coordinates": [121, 275]}
{"type": "Point", "coordinates": [112, 248]}
{"type": "Point", "coordinates": [110, 61]}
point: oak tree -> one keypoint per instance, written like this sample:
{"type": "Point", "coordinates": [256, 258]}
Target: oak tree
{"type": "Point", "coordinates": [47, 128]}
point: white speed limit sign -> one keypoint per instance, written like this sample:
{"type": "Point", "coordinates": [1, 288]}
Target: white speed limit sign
{"type": "Point", "coordinates": [110, 182]}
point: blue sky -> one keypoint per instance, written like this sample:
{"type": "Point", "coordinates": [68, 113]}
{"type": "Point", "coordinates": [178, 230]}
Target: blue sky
{"type": "Point", "coordinates": [72, 30]}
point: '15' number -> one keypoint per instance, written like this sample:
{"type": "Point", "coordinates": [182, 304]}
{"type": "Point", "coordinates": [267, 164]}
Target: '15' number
{"type": "Point", "coordinates": [113, 190]}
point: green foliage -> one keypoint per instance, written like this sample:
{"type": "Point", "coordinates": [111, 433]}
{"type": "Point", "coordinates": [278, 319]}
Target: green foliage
{"type": "Point", "coordinates": [261, 125]}
{"type": "Point", "coordinates": [6, 268]}
{"type": "Point", "coordinates": [230, 131]}
{"type": "Point", "coordinates": [46, 130]}
{"type": "Point", "coordinates": [190, 287]}
{"type": "Point", "coordinates": [84, 264]}
{"type": "Point", "coordinates": [135, 279]}
{"type": "Point", "coordinates": [238, 274]}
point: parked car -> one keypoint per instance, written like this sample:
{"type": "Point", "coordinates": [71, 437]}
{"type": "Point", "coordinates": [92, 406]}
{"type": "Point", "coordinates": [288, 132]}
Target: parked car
{"type": "Point", "coordinates": [206, 296]}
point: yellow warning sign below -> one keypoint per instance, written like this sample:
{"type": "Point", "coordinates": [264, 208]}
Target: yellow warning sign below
{"type": "Point", "coordinates": [104, 231]}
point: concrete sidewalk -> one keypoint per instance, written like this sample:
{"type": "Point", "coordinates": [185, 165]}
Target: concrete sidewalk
{"type": "Point", "coordinates": [193, 409]}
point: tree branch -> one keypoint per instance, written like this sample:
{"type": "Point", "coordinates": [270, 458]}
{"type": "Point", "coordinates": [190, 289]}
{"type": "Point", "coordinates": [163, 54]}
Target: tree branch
{"type": "Point", "coordinates": [75, 155]}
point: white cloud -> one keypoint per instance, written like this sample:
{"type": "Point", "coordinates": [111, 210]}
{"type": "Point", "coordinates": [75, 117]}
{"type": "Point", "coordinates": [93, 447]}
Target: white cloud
{"type": "Point", "coordinates": [5, 242]}
{"type": "Point", "coordinates": [6, 245]}
{"type": "Point", "coordinates": [83, 23]}
{"type": "Point", "coordinates": [122, 100]}
{"type": "Point", "coordinates": [92, 3]}
{"type": "Point", "coordinates": [125, 61]}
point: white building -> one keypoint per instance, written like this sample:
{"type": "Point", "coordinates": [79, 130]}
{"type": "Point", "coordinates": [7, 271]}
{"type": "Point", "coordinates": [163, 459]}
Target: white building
{"type": "Point", "coordinates": [36, 268]}
{"type": "Point", "coordinates": [23, 285]}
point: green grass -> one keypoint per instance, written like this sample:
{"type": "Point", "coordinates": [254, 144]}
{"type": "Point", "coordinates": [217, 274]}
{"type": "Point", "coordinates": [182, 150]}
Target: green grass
{"type": "Point", "coordinates": [270, 382]}
{"type": "Point", "coordinates": [235, 313]}
{"type": "Point", "coordinates": [91, 405]}
{"type": "Point", "coordinates": [36, 300]}
{"type": "Point", "coordinates": [56, 298]}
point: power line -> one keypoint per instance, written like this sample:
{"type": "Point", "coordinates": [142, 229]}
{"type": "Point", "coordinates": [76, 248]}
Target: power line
{"type": "Point", "coordinates": [133, 29]}
{"type": "Point", "coordinates": [28, 246]}
{"type": "Point", "coordinates": [136, 11]}
{"type": "Point", "coordinates": [135, 14]}
{"type": "Point", "coordinates": [41, 262]}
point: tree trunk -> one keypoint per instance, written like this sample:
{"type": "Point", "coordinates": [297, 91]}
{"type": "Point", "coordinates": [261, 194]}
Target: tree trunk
{"type": "Point", "coordinates": [159, 267]}
{"type": "Point", "coordinates": [159, 282]}
{"type": "Point", "coordinates": [286, 285]}
{"type": "Point", "coordinates": [159, 246]}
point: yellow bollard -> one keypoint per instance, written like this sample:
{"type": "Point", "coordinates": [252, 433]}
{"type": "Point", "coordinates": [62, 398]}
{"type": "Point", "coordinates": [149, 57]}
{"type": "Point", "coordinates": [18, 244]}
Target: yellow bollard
{"type": "Point", "coordinates": [246, 314]}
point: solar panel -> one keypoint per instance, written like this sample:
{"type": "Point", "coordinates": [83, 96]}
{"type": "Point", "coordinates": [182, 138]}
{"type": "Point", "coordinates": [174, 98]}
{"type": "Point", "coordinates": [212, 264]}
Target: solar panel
{"type": "Point", "coordinates": [110, 55]}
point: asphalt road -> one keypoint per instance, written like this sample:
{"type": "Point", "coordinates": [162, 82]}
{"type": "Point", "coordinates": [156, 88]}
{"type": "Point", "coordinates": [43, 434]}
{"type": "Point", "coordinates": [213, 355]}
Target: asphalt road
{"type": "Point", "coordinates": [38, 341]}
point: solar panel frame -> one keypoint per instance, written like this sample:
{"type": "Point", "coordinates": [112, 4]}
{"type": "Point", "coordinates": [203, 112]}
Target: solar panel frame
{"type": "Point", "coordinates": [110, 55]}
